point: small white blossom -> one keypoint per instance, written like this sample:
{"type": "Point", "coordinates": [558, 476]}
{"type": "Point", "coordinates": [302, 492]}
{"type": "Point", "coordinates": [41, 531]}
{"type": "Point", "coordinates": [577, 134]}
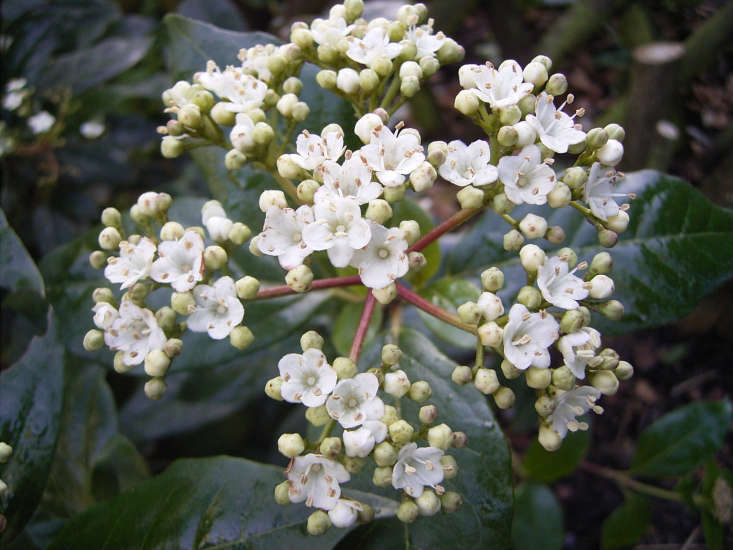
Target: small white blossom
{"type": "Point", "coordinates": [373, 46]}
{"type": "Point", "coordinates": [527, 337]}
{"type": "Point", "coordinates": [133, 263]}
{"type": "Point", "coordinates": [490, 306]}
{"type": "Point", "coordinates": [255, 60]}
{"type": "Point", "coordinates": [313, 150]}
{"type": "Point", "coordinates": [360, 442]}
{"type": "Point", "coordinates": [180, 95]}
{"type": "Point", "coordinates": [468, 164]}
{"type": "Point", "coordinates": [345, 512]}
{"type": "Point", "coordinates": [329, 31]}
{"type": "Point", "coordinates": [559, 285]}
{"type": "Point", "coordinates": [41, 123]}
{"type": "Point", "coordinates": [104, 315]}
{"type": "Point", "coordinates": [15, 93]}
{"type": "Point", "coordinates": [555, 129]}
{"type": "Point", "coordinates": [315, 479]}
{"type": "Point", "coordinates": [242, 133]}
{"type": "Point", "coordinates": [282, 235]}
{"type": "Point", "coordinates": [525, 177]}
{"type": "Point", "coordinates": [307, 378]}
{"type": "Point", "coordinates": [353, 178]}
{"type": "Point", "coordinates": [354, 401]}
{"type": "Point", "coordinates": [578, 348]}
{"type": "Point", "coordinates": [180, 263]}
{"type": "Point", "coordinates": [241, 91]}
{"type": "Point", "coordinates": [218, 310]}
{"type": "Point", "coordinates": [499, 88]}
{"type": "Point", "coordinates": [216, 221]}
{"type": "Point", "coordinates": [598, 192]}
{"type": "Point", "coordinates": [338, 228]}
{"type": "Point", "coordinates": [384, 259]}
{"type": "Point", "coordinates": [571, 404]}
{"type": "Point", "coordinates": [416, 469]}
{"type": "Point", "coordinates": [392, 156]}
{"type": "Point", "coordinates": [92, 129]}
{"type": "Point", "coordinates": [135, 332]}
{"type": "Point", "coordinates": [425, 41]}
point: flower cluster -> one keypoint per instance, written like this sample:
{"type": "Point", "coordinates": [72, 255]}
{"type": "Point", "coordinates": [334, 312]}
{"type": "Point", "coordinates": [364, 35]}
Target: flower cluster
{"type": "Point", "coordinates": [5, 452]}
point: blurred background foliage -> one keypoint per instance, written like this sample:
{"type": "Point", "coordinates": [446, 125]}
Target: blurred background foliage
{"type": "Point", "coordinates": [663, 69]}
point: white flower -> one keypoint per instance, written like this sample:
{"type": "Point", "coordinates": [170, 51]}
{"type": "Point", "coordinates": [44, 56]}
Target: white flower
{"type": "Point", "coordinates": [499, 88]}
{"type": "Point", "coordinates": [104, 315]}
{"type": "Point", "coordinates": [218, 310]}
{"type": "Point", "coordinates": [373, 46]}
{"type": "Point", "coordinates": [180, 263]}
{"type": "Point", "coordinates": [468, 164]}
{"type": "Point", "coordinates": [179, 95]}
{"type": "Point", "coordinates": [360, 442]}
{"type": "Point", "coordinates": [255, 60]}
{"type": "Point", "coordinates": [425, 41]}
{"type": "Point", "coordinates": [135, 332]}
{"type": "Point", "coordinates": [555, 129]}
{"type": "Point", "coordinates": [559, 285]}
{"type": "Point", "coordinates": [598, 192]}
{"type": "Point", "coordinates": [315, 479]}
{"type": "Point", "coordinates": [392, 156]}
{"type": "Point", "coordinates": [525, 177]}
{"type": "Point", "coordinates": [313, 150]}
{"type": "Point", "coordinates": [490, 306]}
{"type": "Point", "coordinates": [329, 31]}
{"type": "Point", "coordinates": [216, 221]}
{"type": "Point", "coordinates": [571, 404]}
{"type": "Point", "coordinates": [578, 348]}
{"type": "Point", "coordinates": [241, 92]}
{"type": "Point", "coordinates": [15, 93]}
{"type": "Point", "coordinates": [354, 401]}
{"type": "Point", "coordinates": [527, 337]}
{"type": "Point", "coordinates": [41, 123]}
{"type": "Point", "coordinates": [242, 134]}
{"type": "Point", "coordinates": [384, 259]}
{"type": "Point", "coordinates": [345, 512]}
{"type": "Point", "coordinates": [353, 178]}
{"type": "Point", "coordinates": [307, 378]}
{"type": "Point", "coordinates": [133, 263]}
{"type": "Point", "coordinates": [338, 228]}
{"type": "Point", "coordinates": [92, 129]}
{"type": "Point", "coordinates": [416, 469]}
{"type": "Point", "coordinates": [282, 235]}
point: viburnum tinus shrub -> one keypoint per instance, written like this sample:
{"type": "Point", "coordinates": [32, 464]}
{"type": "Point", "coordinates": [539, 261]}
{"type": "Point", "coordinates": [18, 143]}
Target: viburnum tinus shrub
{"type": "Point", "coordinates": [333, 213]}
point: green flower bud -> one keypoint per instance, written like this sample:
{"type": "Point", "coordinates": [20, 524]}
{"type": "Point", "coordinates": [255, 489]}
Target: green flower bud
{"type": "Point", "coordinates": [409, 51]}
{"type": "Point", "coordinates": [171, 147]}
{"type": "Point", "coordinates": [263, 133]}
{"type": "Point", "coordinates": [563, 378]}
{"type": "Point", "coordinates": [235, 159]}
{"type": "Point", "coordinates": [302, 38]}
{"type": "Point", "coordinates": [619, 223]}
{"type": "Point", "coordinates": [605, 381]}
{"type": "Point", "coordinates": [382, 66]}
{"type": "Point", "coordinates": [155, 388]}
{"type": "Point", "coordinates": [396, 30]}
{"type": "Point", "coordinates": [533, 226]}
{"type": "Point", "coordinates": [391, 354]}
{"type": "Point", "coordinates": [98, 259]}
{"type": "Point", "coordinates": [156, 363]}
{"type": "Point", "coordinates": [440, 436]}
{"type": "Point", "coordinates": [290, 445]}
{"type": "Point", "coordinates": [183, 303]}
{"type": "Point", "coordinates": [527, 104]}
{"type": "Point", "coordinates": [286, 103]}
{"type": "Point", "coordinates": [469, 313]}
{"type": "Point", "coordinates": [492, 279]}
{"type": "Point", "coordinates": [538, 378]}
{"type": "Point", "coordinates": [215, 257]}
{"type": "Point", "coordinates": [272, 389]}
{"type": "Point", "coordinates": [311, 340]}
{"type": "Point", "coordinates": [568, 254]}
{"type": "Point", "coordinates": [513, 240]}
{"type": "Point", "coordinates": [401, 432]}
{"type": "Point", "coordinates": [378, 211]}
{"type": "Point", "coordinates": [470, 197]}
{"type": "Point", "coordinates": [409, 86]}
{"type": "Point", "coordinates": [382, 476]}
{"type": "Point", "coordinates": [504, 397]}
{"type": "Point", "coordinates": [450, 52]}
{"type": "Point", "coordinates": [354, 464]}
{"type": "Point", "coordinates": [327, 55]}
{"type": "Point", "coordinates": [253, 248]}
{"type": "Point", "coordinates": [282, 496]}
{"type": "Point", "coordinates": [299, 278]}
{"type": "Point", "coordinates": [390, 415]}
{"type": "Point", "coordinates": [171, 231]}
{"type": "Point", "coordinates": [93, 340]}
{"type": "Point", "coordinates": [203, 100]}
{"type": "Point", "coordinates": [166, 318]}
{"type": "Point", "coordinates": [410, 230]}
{"type": "Point", "coordinates": [466, 103]}
{"type": "Point", "coordinates": [449, 465]}
{"type": "Point", "coordinates": [572, 321]}
{"type": "Point", "coordinates": [103, 294]}
{"type": "Point", "coordinates": [5, 452]}
{"type": "Point", "coordinates": [531, 257]}
{"type": "Point", "coordinates": [368, 80]}
{"type": "Point", "coordinates": [331, 447]}
{"type": "Point", "coordinates": [555, 234]}
{"type": "Point", "coordinates": [172, 347]}
{"type": "Point", "coordinates": [394, 194]}
{"type": "Point", "coordinates": [507, 136]}
{"type": "Point", "coordinates": [437, 151]}
{"type": "Point", "coordinates": [344, 367]}
{"type": "Point", "coordinates": [407, 511]}
{"type": "Point", "coordinates": [272, 197]}
{"type": "Point", "coordinates": [385, 454]}
{"type": "Point", "coordinates": [429, 65]}
{"type": "Point", "coordinates": [535, 73]}
{"type": "Point", "coordinates": [560, 196]}
{"type": "Point", "coordinates": [300, 111]}
{"type": "Point", "coordinates": [427, 414]}
{"type": "Point", "coordinates": [109, 238]}
{"type": "Point", "coordinates": [222, 115]}
{"type": "Point", "coordinates": [119, 365]}
{"type": "Point", "coordinates": [175, 128]}
{"type": "Point", "coordinates": [611, 153]}
{"type": "Point", "coordinates": [354, 9]}
{"type": "Point", "coordinates": [451, 502]}
{"type": "Point", "coordinates": [486, 381]}
{"type": "Point", "coordinates": [615, 131]}
{"type": "Point", "coordinates": [544, 405]}
{"type": "Point", "coordinates": [509, 371]}
{"type": "Point", "coordinates": [462, 375]}
{"type": "Point", "coordinates": [501, 204]}
{"type": "Point", "coordinates": [111, 217]}
{"type": "Point", "coordinates": [241, 337]}
{"type": "Point", "coordinates": [423, 177]}
{"type": "Point", "coordinates": [428, 504]}
{"type": "Point", "coordinates": [549, 439]}
{"type": "Point", "coordinates": [510, 115]}
{"type": "Point", "coordinates": [557, 84]}
{"type": "Point", "coordinates": [138, 292]}
{"type": "Point", "coordinates": [490, 334]}
{"type": "Point", "coordinates": [385, 295]}
{"type": "Point", "coordinates": [544, 60]}
{"type": "Point", "coordinates": [601, 287]}
{"type": "Point", "coordinates": [596, 138]}
{"type": "Point", "coordinates": [624, 370]}
{"type": "Point", "coordinates": [318, 523]}
{"type": "Point", "coordinates": [460, 440]}
{"type": "Point", "coordinates": [607, 238]}
{"type": "Point", "coordinates": [318, 416]}
{"type": "Point", "coordinates": [306, 190]}
{"type": "Point", "coordinates": [190, 116]}
{"type": "Point", "coordinates": [239, 233]}
{"type": "Point", "coordinates": [247, 288]}
{"type": "Point", "coordinates": [530, 297]}
{"type": "Point", "coordinates": [575, 177]}
{"type": "Point", "coordinates": [420, 391]}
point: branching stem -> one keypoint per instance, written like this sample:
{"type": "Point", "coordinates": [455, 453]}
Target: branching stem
{"type": "Point", "coordinates": [451, 223]}
{"type": "Point", "coordinates": [624, 480]}
{"type": "Point", "coordinates": [428, 307]}
{"type": "Point", "coordinates": [285, 290]}
{"type": "Point", "coordinates": [361, 330]}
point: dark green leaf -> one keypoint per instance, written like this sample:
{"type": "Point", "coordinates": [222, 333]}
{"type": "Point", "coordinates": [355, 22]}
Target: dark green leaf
{"type": "Point", "coordinates": [408, 210]}
{"type": "Point", "coordinates": [627, 523]}
{"type": "Point", "coordinates": [222, 13]}
{"type": "Point", "coordinates": [345, 325]}
{"type": "Point", "coordinates": [678, 248]}
{"type": "Point", "coordinates": [217, 502]}
{"type": "Point", "coordinates": [712, 530]}
{"type": "Point", "coordinates": [31, 394]}
{"type": "Point", "coordinates": [17, 269]}
{"type": "Point", "coordinates": [538, 519]}
{"type": "Point", "coordinates": [682, 439]}
{"type": "Point", "coordinates": [448, 293]}
{"type": "Point", "coordinates": [546, 467]}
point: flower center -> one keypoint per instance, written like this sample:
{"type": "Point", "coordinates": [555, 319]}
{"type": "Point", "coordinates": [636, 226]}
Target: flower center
{"type": "Point", "coordinates": [383, 253]}
{"type": "Point", "coordinates": [353, 403]}
{"type": "Point", "coordinates": [297, 237]}
{"type": "Point", "coordinates": [310, 381]}
{"type": "Point", "coordinates": [523, 180]}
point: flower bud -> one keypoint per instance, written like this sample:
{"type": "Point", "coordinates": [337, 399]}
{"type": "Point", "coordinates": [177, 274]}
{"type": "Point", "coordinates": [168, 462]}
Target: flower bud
{"type": "Point", "coordinates": [504, 397]}
{"type": "Point", "coordinates": [460, 440]}
{"type": "Point", "coordinates": [378, 211]}
{"type": "Point", "coordinates": [611, 153]}
{"type": "Point", "coordinates": [272, 197]}
{"type": "Point", "coordinates": [203, 100]}
{"type": "Point", "coordinates": [530, 297]}
{"type": "Point", "coordinates": [509, 371]}
{"type": "Point", "coordinates": [109, 238]}
{"type": "Point", "coordinates": [103, 294]}
{"type": "Point", "coordinates": [330, 446]}
{"type": "Point", "coordinates": [533, 226]}
{"type": "Point", "coordinates": [605, 381]}
{"type": "Point", "coordinates": [396, 31]}
{"type": "Point", "coordinates": [390, 415]}
{"type": "Point", "coordinates": [171, 147]}
{"type": "Point", "coordinates": [183, 303]}
{"type": "Point", "coordinates": [466, 102]}
{"type": "Point", "coordinates": [195, 228]}
{"type": "Point", "coordinates": [253, 248]}
{"type": "Point", "coordinates": [318, 523]}
{"type": "Point", "coordinates": [469, 197]}
{"type": "Point", "coordinates": [354, 464]}
{"type": "Point", "coordinates": [385, 295]}
{"type": "Point", "coordinates": [119, 365]}
{"type": "Point", "coordinates": [174, 128]}
{"type": "Point", "coordinates": [490, 334]}
{"type": "Point", "coordinates": [382, 476]}
{"type": "Point", "coordinates": [555, 234]}
{"type": "Point", "coordinates": [93, 340]}
{"type": "Point", "coordinates": [286, 103]}
{"type": "Point", "coordinates": [462, 375]}
{"type": "Point", "coordinates": [450, 52]}
{"type": "Point", "coordinates": [166, 318]}
{"type": "Point", "coordinates": [440, 436]}
{"type": "Point", "coordinates": [382, 65]}
{"type": "Point", "coordinates": [513, 240]}
{"type": "Point", "coordinates": [306, 190]}
{"type": "Point", "coordinates": [531, 257]}
{"type": "Point", "coordinates": [470, 313]}
{"type": "Point", "coordinates": [368, 80]}
{"type": "Point", "coordinates": [327, 78]}
{"type": "Point", "coordinates": [607, 238]}
{"type": "Point", "coordinates": [601, 264]}
{"type": "Point", "coordinates": [241, 337]}
{"type": "Point", "coordinates": [510, 115]}
{"type": "Point", "coordinates": [173, 347]}
{"type": "Point", "coordinates": [347, 81]}
{"type": "Point", "coordinates": [400, 432]}
{"type": "Point", "coordinates": [409, 86]}
{"type": "Point", "coordinates": [366, 125]}
{"type": "Point", "coordinates": [601, 287]}
{"type": "Point", "coordinates": [344, 367]}
{"type": "Point", "coordinates": [549, 439]}
{"type": "Point", "coordinates": [98, 259]}
{"type": "Point", "coordinates": [353, 9]}
{"type": "Point", "coordinates": [171, 231]}
{"type": "Point", "coordinates": [420, 391]}
{"type": "Point", "coordinates": [596, 138]}
{"type": "Point", "coordinates": [6, 452]}
{"type": "Point", "coordinates": [311, 340]}
{"type": "Point", "coordinates": [155, 388]}
{"type": "Point", "coordinates": [215, 257]}
{"type": "Point", "coordinates": [560, 196]}
{"type": "Point", "coordinates": [156, 363]}
{"type": "Point", "coordinates": [239, 233]}
{"type": "Point", "coordinates": [508, 136]}
{"type": "Point", "coordinates": [423, 177]}
{"type": "Point", "coordinates": [451, 502]}
{"type": "Point", "coordinates": [222, 115]}
{"type": "Point", "coordinates": [394, 193]}
{"type": "Point", "coordinates": [575, 177]}
{"type": "Point", "coordinates": [437, 151]}
{"type": "Point", "coordinates": [303, 38]}
{"type": "Point", "coordinates": [563, 378]}
{"type": "Point", "coordinates": [538, 378]}
{"type": "Point", "coordinates": [190, 116]}
{"type": "Point", "coordinates": [391, 354]}
{"type": "Point", "coordinates": [427, 414]}
{"type": "Point", "coordinates": [527, 105]}
{"type": "Point", "coordinates": [535, 73]}
{"type": "Point", "coordinates": [385, 454]}
{"type": "Point", "coordinates": [428, 504]}
{"type": "Point", "coordinates": [396, 383]}
{"type": "Point", "coordinates": [282, 490]}
{"type": "Point", "coordinates": [137, 293]}
{"type": "Point", "coordinates": [449, 465]}
{"type": "Point", "coordinates": [407, 511]}
{"type": "Point", "coordinates": [111, 217]}
{"type": "Point", "coordinates": [619, 223]}
{"type": "Point", "coordinates": [615, 131]}
{"type": "Point", "coordinates": [299, 278]}
{"type": "Point", "coordinates": [492, 279]}
{"type": "Point", "coordinates": [486, 381]}
{"type": "Point", "coordinates": [572, 321]}
{"type": "Point", "coordinates": [290, 445]}
{"type": "Point", "coordinates": [624, 370]}
{"type": "Point", "coordinates": [429, 65]}
{"type": "Point", "coordinates": [557, 84]}
{"type": "Point", "coordinates": [292, 85]}
{"type": "Point", "coordinates": [272, 388]}
{"type": "Point", "coordinates": [501, 204]}
{"type": "Point", "coordinates": [544, 405]}
{"type": "Point", "coordinates": [263, 133]}
{"type": "Point", "coordinates": [318, 416]}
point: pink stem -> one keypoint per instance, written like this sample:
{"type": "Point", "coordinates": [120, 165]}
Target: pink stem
{"type": "Point", "coordinates": [454, 221]}
{"type": "Point", "coordinates": [432, 309]}
{"type": "Point", "coordinates": [361, 330]}
{"type": "Point", "coordinates": [285, 290]}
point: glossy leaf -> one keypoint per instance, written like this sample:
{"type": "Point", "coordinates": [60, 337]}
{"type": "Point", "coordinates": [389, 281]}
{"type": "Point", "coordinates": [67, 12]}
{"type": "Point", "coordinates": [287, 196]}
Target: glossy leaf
{"type": "Point", "coordinates": [345, 325]}
{"type": "Point", "coordinates": [17, 269]}
{"type": "Point", "coordinates": [538, 519]}
{"type": "Point", "coordinates": [223, 13]}
{"type": "Point", "coordinates": [682, 439]}
{"type": "Point", "coordinates": [626, 524]}
{"type": "Point", "coordinates": [448, 293]}
{"type": "Point", "coordinates": [546, 467]}
{"type": "Point", "coordinates": [217, 502]}
{"type": "Point", "coordinates": [31, 395]}
{"type": "Point", "coordinates": [678, 248]}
